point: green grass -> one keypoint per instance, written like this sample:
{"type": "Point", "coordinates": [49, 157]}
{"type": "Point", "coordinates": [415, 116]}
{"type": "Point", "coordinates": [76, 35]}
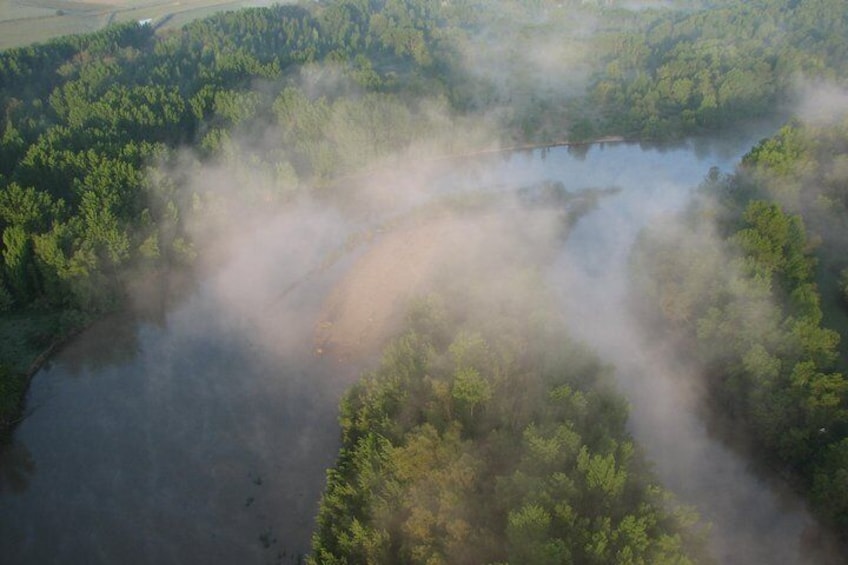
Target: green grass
{"type": "Point", "coordinates": [16, 34]}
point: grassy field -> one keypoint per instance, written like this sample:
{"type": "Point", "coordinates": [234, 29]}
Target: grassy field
{"type": "Point", "coordinates": [23, 22]}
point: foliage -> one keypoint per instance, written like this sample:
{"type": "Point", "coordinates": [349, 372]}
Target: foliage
{"type": "Point", "coordinates": [752, 309]}
{"type": "Point", "coordinates": [443, 462]}
{"type": "Point", "coordinates": [697, 70]}
{"type": "Point", "coordinates": [341, 84]}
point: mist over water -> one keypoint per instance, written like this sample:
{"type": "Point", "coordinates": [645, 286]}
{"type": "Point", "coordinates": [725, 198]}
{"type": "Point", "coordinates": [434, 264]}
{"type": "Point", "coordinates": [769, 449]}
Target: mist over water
{"type": "Point", "coordinates": [751, 520]}
{"type": "Point", "coordinates": [180, 443]}
{"type": "Point", "coordinates": [202, 433]}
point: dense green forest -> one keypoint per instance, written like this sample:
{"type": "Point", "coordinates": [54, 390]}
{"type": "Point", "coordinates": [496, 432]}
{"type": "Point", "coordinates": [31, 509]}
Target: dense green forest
{"type": "Point", "coordinates": [490, 440]}
{"type": "Point", "coordinates": [751, 282]}
{"type": "Point", "coordinates": [98, 134]}
{"type": "Point", "coordinates": [699, 70]}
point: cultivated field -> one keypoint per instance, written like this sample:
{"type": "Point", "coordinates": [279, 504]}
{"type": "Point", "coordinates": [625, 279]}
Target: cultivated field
{"type": "Point", "coordinates": [33, 21]}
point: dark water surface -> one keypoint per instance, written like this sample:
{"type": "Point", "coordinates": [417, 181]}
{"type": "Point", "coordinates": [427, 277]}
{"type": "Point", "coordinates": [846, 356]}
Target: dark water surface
{"type": "Point", "coordinates": [182, 441]}
{"type": "Point", "coordinates": [193, 437]}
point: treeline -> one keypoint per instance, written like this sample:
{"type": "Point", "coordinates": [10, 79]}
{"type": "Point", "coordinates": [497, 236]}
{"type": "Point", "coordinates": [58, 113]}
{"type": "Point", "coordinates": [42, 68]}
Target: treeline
{"type": "Point", "coordinates": [84, 117]}
{"type": "Point", "coordinates": [685, 72]}
{"type": "Point", "coordinates": [747, 301]}
{"type": "Point", "coordinates": [493, 440]}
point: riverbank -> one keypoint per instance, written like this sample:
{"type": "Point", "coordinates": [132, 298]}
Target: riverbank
{"type": "Point", "coordinates": [29, 339]}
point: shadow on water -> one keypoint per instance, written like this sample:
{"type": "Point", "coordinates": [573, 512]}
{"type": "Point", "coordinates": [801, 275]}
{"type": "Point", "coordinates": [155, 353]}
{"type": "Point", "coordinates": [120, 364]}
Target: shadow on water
{"type": "Point", "coordinates": [114, 340]}
{"type": "Point", "coordinates": [16, 467]}
{"type": "Point", "coordinates": [109, 342]}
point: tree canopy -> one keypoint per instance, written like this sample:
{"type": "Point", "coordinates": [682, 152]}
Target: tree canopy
{"type": "Point", "coordinates": [464, 447]}
{"type": "Point", "coordinates": [751, 305]}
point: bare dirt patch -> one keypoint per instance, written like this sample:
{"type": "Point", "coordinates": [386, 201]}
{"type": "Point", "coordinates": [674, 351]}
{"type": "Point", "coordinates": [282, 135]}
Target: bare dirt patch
{"type": "Point", "coordinates": [366, 308]}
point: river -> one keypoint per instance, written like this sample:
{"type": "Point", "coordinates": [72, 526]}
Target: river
{"type": "Point", "coordinates": [201, 433]}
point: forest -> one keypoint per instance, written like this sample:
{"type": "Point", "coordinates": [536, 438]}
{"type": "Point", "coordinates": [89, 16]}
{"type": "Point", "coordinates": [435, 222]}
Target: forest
{"type": "Point", "coordinates": [475, 440]}
{"type": "Point", "coordinates": [767, 325]}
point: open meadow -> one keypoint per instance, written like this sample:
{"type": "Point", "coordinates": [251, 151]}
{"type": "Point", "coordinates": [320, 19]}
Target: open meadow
{"type": "Point", "coordinates": [23, 22]}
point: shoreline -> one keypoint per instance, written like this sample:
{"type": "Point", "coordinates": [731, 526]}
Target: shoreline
{"type": "Point", "coordinates": [7, 427]}
{"type": "Point", "coordinates": [366, 173]}
{"type": "Point", "coordinates": [173, 276]}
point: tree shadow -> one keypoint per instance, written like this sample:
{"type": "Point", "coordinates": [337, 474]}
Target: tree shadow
{"type": "Point", "coordinates": [16, 467]}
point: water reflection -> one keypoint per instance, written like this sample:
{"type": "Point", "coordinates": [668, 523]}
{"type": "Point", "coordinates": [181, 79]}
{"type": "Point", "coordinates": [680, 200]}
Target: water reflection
{"type": "Point", "coordinates": [111, 341]}
{"type": "Point", "coordinates": [114, 340]}
{"type": "Point", "coordinates": [16, 467]}
{"type": "Point", "coordinates": [579, 152]}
